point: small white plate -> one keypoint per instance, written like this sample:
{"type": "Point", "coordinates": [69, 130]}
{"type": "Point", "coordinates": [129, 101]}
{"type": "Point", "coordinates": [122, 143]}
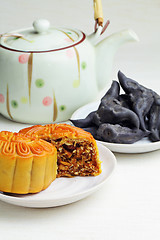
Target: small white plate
{"type": "Point", "coordinates": [142, 146]}
{"type": "Point", "coordinates": [63, 191]}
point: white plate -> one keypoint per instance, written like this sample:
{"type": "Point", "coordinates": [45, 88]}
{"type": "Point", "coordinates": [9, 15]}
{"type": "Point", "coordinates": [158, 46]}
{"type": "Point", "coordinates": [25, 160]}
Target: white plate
{"type": "Point", "coordinates": [66, 190]}
{"type": "Point", "coordinates": [144, 145]}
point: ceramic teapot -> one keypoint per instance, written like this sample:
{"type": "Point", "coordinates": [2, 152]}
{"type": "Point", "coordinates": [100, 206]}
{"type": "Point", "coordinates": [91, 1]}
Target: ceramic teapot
{"type": "Point", "coordinates": [46, 73]}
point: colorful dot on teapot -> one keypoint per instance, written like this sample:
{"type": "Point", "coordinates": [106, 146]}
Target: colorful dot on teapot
{"type": "Point", "coordinates": [1, 98]}
{"type": "Point", "coordinates": [69, 40]}
{"type": "Point", "coordinates": [47, 101]}
{"type": "Point", "coordinates": [70, 53]}
{"type": "Point", "coordinates": [16, 38]}
{"type": "Point", "coordinates": [76, 83]}
{"type": "Point", "coordinates": [83, 65]}
{"type": "Point", "coordinates": [23, 58]}
{"type": "Point", "coordinates": [14, 103]}
{"type": "Point", "coordinates": [39, 83]}
{"type": "Point", "coordinates": [62, 108]}
{"type": "Point", "coordinates": [24, 100]}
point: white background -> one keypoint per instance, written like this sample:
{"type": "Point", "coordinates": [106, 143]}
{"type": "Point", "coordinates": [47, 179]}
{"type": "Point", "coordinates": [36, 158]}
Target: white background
{"type": "Point", "coordinates": [127, 207]}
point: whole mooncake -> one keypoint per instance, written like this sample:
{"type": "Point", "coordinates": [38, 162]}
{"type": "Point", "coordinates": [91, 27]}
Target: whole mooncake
{"type": "Point", "coordinates": [27, 164]}
{"type": "Point", "coordinates": [77, 152]}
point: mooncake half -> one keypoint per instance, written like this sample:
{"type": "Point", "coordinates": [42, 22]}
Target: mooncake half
{"type": "Point", "coordinates": [77, 152]}
{"type": "Point", "coordinates": [27, 164]}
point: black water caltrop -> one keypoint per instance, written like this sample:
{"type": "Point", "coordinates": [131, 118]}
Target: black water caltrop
{"type": "Point", "coordinates": [125, 118]}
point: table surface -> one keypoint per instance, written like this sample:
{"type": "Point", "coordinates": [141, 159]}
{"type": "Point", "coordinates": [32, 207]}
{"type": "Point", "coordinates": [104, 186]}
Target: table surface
{"type": "Point", "coordinates": [128, 205]}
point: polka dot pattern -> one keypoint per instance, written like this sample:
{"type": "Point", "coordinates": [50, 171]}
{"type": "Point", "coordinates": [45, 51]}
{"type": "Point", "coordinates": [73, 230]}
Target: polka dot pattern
{"type": "Point", "coordinates": [24, 100]}
{"type": "Point", "coordinates": [76, 83]}
{"type": "Point", "coordinates": [39, 83]}
{"type": "Point", "coordinates": [14, 103]}
{"type": "Point", "coordinates": [68, 40]}
{"type": "Point", "coordinates": [83, 65]}
{"type": "Point", "coordinates": [1, 98]}
{"type": "Point", "coordinates": [23, 58]}
{"type": "Point", "coordinates": [62, 108]}
{"type": "Point", "coordinates": [47, 101]}
{"type": "Point", "coordinates": [70, 53]}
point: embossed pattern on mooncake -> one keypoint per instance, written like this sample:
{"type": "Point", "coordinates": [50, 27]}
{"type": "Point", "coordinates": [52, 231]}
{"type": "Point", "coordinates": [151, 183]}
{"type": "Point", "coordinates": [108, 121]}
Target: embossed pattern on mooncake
{"type": "Point", "coordinates": [27, 165]}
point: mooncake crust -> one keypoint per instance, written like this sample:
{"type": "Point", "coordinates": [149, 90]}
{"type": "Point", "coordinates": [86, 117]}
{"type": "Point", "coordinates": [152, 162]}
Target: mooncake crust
{"type": "Point", "coordinates": [56, 131]}
{"type": "Point", "coordinates": [77, 150]}
{"type": "Point", "coordinates": [27, 164]}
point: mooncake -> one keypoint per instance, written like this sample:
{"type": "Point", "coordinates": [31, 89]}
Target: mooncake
{"type": "Point", "coordinates": [27, 164]}
{"type": "Point", "coordinates": [77, 152]}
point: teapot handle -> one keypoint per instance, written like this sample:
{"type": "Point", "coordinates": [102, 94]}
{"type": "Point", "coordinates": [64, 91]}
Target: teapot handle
{"type": "Point", "coordinates": [95, 35]}
{"type": "Point", "coordinates": [98, 31]}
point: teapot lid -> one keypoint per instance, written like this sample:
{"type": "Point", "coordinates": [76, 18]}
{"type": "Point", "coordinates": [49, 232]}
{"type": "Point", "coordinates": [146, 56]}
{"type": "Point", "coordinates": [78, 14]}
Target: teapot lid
{"type": "Point", "coordinates": [41, 38]}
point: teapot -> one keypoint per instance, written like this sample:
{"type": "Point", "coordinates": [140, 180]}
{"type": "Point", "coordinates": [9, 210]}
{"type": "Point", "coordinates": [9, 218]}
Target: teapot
{"type": "Point", "coordinates": [46, 73]}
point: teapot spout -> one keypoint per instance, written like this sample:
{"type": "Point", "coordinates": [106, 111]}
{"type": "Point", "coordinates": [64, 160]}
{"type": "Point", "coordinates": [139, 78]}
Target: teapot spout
{"type": "Point", "coordinates": [105, 51]}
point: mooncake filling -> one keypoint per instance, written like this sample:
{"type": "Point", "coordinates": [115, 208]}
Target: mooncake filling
{"type": "Point", "coordinates": [75, 157]}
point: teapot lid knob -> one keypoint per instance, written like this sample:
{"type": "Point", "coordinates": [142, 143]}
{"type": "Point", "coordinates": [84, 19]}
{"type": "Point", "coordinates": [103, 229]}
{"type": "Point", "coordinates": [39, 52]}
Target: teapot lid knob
{"type": "Point", "coordinates": [41, 25]}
